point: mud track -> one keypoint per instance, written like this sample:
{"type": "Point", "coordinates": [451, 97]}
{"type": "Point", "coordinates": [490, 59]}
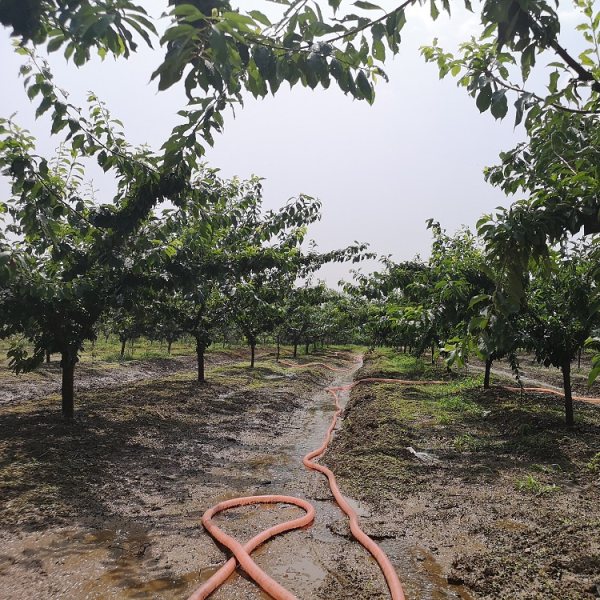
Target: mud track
{"type": "Point", "coordinates": [110, 506]}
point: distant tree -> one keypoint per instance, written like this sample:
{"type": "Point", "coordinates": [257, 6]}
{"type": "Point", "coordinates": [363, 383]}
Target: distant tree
{"type": "Point", "coordinates": [302, 313]}
{"type": "Point", "coordinates": [562, 310]}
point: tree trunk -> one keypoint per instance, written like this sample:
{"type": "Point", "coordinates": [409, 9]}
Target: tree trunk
{"type": "Point", "coordinates": [488, 370]}
{"type": "Point", "coordinates": [68, 372]}
{"type": "Point", "coordinates": [47, 357]}
{"type": "Point", "coordinates": [278, 348]}
{"type": "Point", "coordinates": [306, 347]}
{"type": "Point", "coordinates": [432, 354]}
{"type": "Point", "coordinates": [252, 350]}
{"type": "Point", "coordinates": [579, 360]}
{"type": "Point", "coordinates": [200, 348]}
{"type": "Point", "coordinates": [295, 348]}
{"type": "Point", "coordinates": [566, 371]}
{"type": "Point", "coordinates": [123, 343]}
{"type": "Point", "coordinates": [169, 347]}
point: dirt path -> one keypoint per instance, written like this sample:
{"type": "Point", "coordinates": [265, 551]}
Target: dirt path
{"type": "Point", "coordinates": [525, 380]}
{"type": "Point", "coordinates": [111, 507]}
{"type": "Point", "coordinates": [532, 374]}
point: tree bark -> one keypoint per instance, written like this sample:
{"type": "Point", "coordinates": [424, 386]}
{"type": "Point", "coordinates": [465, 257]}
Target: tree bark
{"type": "Point", "coordinates": [488, 370]}
{"type": "Point", "coordinates": [278, 348]}
{"type": "Point", "coordinates": [566, 371]}
{"type": "Point", "coordinates": [47, 357]}
{"type": "Point", "coordinates": [123, 343]}
{"type": "Point", "coordinates": [252, 350]}
{"type": "Point", "coordinates": [295, 348]}
{"type": "Point", "coordinates": [432, 354]}
{"type": "Point", "coordinates": [579, 360]}
{"type": "Point", "coordinates": [200, 348]}
{"type": "Point", "coordinates": [169, 347]}
{"type": "Point", "coordinates": [306, 347]}
{"type": "Point", "coordinates": [68, 375]}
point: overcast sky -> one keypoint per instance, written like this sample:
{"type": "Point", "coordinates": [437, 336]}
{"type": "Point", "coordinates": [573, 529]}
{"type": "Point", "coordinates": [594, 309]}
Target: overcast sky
{"type": "Point", "coordinates": [379, 170]}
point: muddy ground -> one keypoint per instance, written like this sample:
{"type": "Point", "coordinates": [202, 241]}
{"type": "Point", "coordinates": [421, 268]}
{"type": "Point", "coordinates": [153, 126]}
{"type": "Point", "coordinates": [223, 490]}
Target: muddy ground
{"type": "Point", "coordinates": [503, 504]}
{"type": "Point", "coordinates": [90, 375]}
{"type": "Point", "coordinates": [110, 506]}
{"type": "Point", "coordinates": [534, 374]}
{"type": "Point", "coordinates": [505, 499]}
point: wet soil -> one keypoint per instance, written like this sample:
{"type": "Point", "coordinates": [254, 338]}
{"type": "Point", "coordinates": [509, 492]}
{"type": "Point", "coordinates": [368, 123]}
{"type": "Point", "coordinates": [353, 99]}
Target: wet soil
{"type": "Point", "coordinates": [110, 506]}
{"type": "Point", "coordinates": [91, 375]}
{"type": "Point", "coordinates": [532, 373]}
{"type": "Point", "coordinates": [472, 495]}
{"type": "Point", "coordinates": [488, 495]}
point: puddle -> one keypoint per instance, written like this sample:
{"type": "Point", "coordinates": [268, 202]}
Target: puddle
{"type": "Point", "coordinates": [169, 584]}
{"type": "Point", "coordinates": [424, 578]}
{"type": "Point", "coordinates": [510, 525]}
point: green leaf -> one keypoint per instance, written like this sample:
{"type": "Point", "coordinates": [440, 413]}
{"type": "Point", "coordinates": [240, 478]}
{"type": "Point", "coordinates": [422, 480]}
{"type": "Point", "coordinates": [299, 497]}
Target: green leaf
{"type": "Point", "coordinates": [553, 84]}
{"type": "Point", "coordinates": [378, 50]}
{"type": "Point", "coordinates": [260, 17]}
{"type": "Point", "coordinates": [188, 12]}
{"type": "Point", "coordinates": [55, 43]}
{"type": "Point", "coordinates": [367, 5]}
{"type": "Point", "coordinates": [265, 61]}
{"type": "Point", "coordinates": [499, 104]}
{"type": "Point", "coordinates": [475, 300]}
{"type": "Point", "coordinates": [594, 372]}
{"type": "Point", "coordinates": [484, 99]}
{"type": "Point", "coordinates": [364, 87]}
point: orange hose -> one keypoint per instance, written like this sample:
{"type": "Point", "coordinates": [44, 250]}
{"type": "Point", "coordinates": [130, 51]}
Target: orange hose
{"type": "Point", "coordinates": [588, 399]}
{"type": "Point", "coordinates": [242, 553]}
{"type": "Point", "coordinates": [378, 554]}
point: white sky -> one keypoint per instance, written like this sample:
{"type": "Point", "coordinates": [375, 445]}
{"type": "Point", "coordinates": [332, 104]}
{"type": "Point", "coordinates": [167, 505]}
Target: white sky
{"type": "Point", "coordinates": [379, 170]}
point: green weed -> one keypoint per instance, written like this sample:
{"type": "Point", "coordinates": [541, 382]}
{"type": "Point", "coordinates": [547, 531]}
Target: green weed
{"type": "Point", "coordinates": [594, 464]}
{"type": "Point", "coordinates": [466, 443]}
{"type": "Point", "coordinates": [531, 485]}
{"type": "Point", "coordinates": [459, 404]}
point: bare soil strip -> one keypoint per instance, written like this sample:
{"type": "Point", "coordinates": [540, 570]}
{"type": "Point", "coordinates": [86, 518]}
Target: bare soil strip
{"type": "Point", "coordinates": [97, 375]}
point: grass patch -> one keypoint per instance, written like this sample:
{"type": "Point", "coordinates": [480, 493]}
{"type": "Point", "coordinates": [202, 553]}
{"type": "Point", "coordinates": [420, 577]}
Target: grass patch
{"type": "Point", "coordinates": [466, 443]}
{"type": "Point", "coordinates": [385, 362]}
{"type": "Point", "coordinates": [530, 485]}
{"type": "Point", "coordinates": [594, 464]}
